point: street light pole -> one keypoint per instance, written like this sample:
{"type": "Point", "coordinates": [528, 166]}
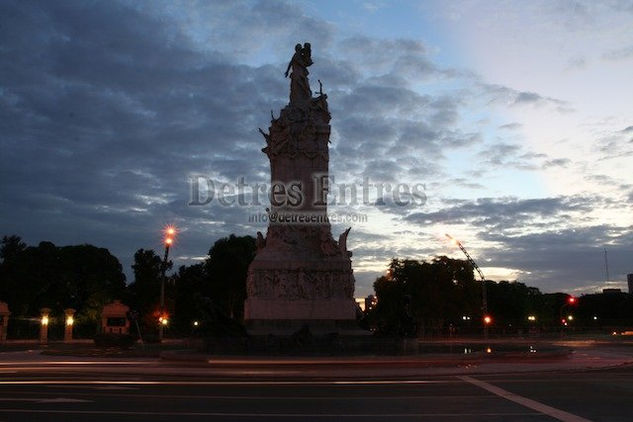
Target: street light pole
{"type": "Point", "coordinates": [170, 233]}
{"type": "Point", "coordinates": [569, 301]}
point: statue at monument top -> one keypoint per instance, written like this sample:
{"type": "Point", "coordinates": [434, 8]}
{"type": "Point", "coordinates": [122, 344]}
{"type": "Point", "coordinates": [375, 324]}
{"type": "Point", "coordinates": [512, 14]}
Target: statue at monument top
{"type": "Point", "coordinates": [299, 85]}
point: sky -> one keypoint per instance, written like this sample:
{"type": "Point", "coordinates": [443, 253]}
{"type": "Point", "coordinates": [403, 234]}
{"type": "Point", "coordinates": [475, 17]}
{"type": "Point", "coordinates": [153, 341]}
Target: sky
{"type": "Point", "coordinates": [514, 117]}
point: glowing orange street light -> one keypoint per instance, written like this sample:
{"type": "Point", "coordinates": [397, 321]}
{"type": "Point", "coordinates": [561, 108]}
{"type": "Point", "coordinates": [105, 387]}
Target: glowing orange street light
{"type": "Point", "coordinates": [170, 234]}
{"type": "Point", "coordinates": [487, 320]}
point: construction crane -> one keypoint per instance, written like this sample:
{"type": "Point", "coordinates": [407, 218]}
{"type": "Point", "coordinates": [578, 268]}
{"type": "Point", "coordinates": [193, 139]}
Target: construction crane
{"type": "Point", "coordinates": [484, 296]}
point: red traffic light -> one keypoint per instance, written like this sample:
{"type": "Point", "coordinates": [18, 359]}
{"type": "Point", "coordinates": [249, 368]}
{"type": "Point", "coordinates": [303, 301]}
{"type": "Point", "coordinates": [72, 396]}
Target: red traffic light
{"type": "Point", "coordinates": [571, 300]}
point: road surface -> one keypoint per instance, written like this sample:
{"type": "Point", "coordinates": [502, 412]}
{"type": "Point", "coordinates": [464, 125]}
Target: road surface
{"type": "Point", "coordinates": [67, 389]}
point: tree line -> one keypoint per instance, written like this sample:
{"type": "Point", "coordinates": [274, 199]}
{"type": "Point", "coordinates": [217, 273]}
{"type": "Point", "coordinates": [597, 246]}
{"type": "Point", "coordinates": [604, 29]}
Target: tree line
{"type": "Point", "coordinates": [419, 298]}
{"type": "Point", "coordinates": [85, 278]}
{"type": "Point", "coordinates": [414, 298]}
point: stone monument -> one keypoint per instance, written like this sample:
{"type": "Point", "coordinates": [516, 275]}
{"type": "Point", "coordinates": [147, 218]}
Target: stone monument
{"type": "Point", "coordinates": [300, 276]}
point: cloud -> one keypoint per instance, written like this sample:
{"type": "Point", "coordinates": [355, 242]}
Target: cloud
{"type": "Point", "coordinates": [557, 162]}
{"type": "Point", "coordinates": [576, 62]}
{"type": "Point", "coordinates": [499, 94]}
{"type": "Point", "coordinates": [505, 213]}
{"type": "Point", "coordinates": [568, 259]}
{"type": "Point", "coordinates": [619, 54]}
{"type": "Point", "coordinates": [527, 97]}
{"type": "Point", "coordinates": [511, 126]}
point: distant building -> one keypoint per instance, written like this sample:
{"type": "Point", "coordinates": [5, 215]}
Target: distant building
{"type": "Point", "coordinates": [611, 291]}
{"type": "Point", "coordinates": [629, 278]}
{"type": "Point", "coordinates": [370, 302]}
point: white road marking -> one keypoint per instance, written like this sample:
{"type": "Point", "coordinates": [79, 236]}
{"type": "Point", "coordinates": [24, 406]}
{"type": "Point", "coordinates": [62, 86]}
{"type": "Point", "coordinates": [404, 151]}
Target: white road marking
{"type": "Point", "coordinates": [524, 401]}
{"type": "Point", "coordinates": [138, 382]}
{"type": "Point", "coordinates": [81, 362]}
{"type": "Point", "coordinates": [327, 416]}
{"type": "Point", "coordinates": [46, 400]}
{"type": "Point", "coordinates": [64, 400]}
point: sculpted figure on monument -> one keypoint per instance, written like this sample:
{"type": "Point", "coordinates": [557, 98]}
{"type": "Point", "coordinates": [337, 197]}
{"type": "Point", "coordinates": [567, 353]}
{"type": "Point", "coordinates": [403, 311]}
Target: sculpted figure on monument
{"type": "Point", "coordinates": [342, 243]}
{"type": "Point", "coordinates": [328, 245]}
{"type": "Point", "coordinates": [260, 242]}
{"type": "Point", "coordinates": [299, 86]}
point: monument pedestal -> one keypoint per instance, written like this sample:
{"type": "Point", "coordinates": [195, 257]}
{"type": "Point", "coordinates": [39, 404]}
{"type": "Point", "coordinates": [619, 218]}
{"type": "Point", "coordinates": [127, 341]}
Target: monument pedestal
{"type": "Point", "coordinates": [287, 295]}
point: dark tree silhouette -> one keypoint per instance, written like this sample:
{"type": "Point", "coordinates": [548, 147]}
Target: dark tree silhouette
{"type": "Point", "coordinates": [226, 269]}
{"type": "Point", "coordinates": [145, 289]}
{"type": "Point", "coordinates": [82, 277]}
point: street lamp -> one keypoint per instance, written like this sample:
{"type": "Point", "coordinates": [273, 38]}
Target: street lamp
{"type": "Point", "coordinates": [170, 235]}
{"type": "Point", "coordinates": [569, 301]}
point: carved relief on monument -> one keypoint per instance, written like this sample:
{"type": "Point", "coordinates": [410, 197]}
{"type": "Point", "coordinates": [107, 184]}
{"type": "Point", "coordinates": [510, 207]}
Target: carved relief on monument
{"type": "Point", "coordinates": [299, 284]}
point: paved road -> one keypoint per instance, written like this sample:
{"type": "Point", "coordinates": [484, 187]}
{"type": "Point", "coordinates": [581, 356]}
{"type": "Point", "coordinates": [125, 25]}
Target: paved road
{"type": "Point", "coordinates": [78, 390]}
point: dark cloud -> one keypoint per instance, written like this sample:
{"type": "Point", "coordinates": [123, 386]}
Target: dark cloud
{"type": "Point", "coordinates": [106, 111]}
{"type": "Point", "coordinates": [568, 259]}
{"type": "Point", "coordinates": [504, 213]}
{"type": "Point", "coordinates": [502, 154]}
{"type": "Point", "coordinates": [619, 54]}
{"type": "Point", "coordinates": [615, 144]}
{"type": "Point", "coordinates": [511, 97]}
{"type": "Point", "coordinates": [511, 126]}
{"type": "Point", "coordinates": [557, 162]}
{"type": "Point", "coordinates": [527, 97]}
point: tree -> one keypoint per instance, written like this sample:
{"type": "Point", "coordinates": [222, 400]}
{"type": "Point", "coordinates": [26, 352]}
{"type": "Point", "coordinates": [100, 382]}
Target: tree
{"type": "Point", "coordinates": [90, 278]}
{"type": "Point", "coordinates": [145, 290]}
{"type": "Point", "coordinates": [189, 282]}
{"type": "Point", "coordinates": [82, 277]}
{"type": "Point", "coordinates": [416, 296]}
{"type": "Point", "coordinates": [226, 268]}
{"type": "Point", "coordinates": [11, 248]}
{"type": "Point", "coordinates": [511, 302]}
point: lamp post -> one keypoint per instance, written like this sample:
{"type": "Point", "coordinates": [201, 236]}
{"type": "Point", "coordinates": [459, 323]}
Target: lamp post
{"type": "Point", "coordinates": [68, 326]}
{"type": "Point", "coordinates": [170, 234]}
{"type": "Point", "coordinates": [569, 301]}
{"type": "Point", "coordinates": [44, 312]}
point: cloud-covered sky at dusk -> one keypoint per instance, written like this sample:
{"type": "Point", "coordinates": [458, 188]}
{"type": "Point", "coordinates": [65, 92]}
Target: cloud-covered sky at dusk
{"type": "Point", "coordinates": [516, 117]}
